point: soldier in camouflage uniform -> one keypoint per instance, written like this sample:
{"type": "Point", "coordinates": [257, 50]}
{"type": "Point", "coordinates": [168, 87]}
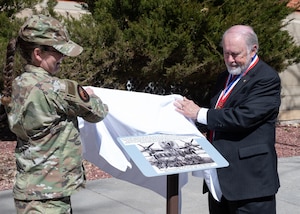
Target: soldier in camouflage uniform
{"type": "Point", "coordinates": [42, 111]}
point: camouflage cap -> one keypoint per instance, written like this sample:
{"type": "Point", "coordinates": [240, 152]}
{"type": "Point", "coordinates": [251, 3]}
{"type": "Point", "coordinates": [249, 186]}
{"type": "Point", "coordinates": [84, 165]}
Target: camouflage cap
{"type": "Point", "coordinates": [45, 30]}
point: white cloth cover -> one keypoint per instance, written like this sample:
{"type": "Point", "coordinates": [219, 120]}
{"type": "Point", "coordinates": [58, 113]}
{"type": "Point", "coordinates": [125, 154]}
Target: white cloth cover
{"type": "Point", "coordinates": [134, 114]}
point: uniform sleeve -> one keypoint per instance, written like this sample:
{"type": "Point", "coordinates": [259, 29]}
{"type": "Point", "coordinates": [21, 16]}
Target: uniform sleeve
{"type": "Point", "coordinates": [90, 108]}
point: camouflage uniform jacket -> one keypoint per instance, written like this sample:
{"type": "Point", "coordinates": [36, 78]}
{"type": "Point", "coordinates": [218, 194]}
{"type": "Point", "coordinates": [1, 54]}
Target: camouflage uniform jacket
{"type": "Point", "coordinates": [43, 114]}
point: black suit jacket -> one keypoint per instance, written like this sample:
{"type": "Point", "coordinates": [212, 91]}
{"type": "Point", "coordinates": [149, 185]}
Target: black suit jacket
{"type": "Point", "coordinates": [245, 133]}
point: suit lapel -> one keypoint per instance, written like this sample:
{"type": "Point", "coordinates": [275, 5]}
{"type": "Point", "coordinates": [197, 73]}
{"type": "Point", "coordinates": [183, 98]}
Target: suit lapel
{"type": "Point", "coordinates": [242, 82]}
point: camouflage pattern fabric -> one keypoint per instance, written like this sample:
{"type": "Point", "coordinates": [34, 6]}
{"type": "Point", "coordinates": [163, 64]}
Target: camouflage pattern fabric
{"type": "Point", "coordinates": [45, 30]}
{"type": "Point", "coordinates": [60, 205]}
{"type": "Point", "coordinates": [43, 114]}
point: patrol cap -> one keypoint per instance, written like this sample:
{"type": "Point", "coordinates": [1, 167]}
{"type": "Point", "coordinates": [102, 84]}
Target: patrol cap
{"type": "Point", "coordinates": [46, 30]}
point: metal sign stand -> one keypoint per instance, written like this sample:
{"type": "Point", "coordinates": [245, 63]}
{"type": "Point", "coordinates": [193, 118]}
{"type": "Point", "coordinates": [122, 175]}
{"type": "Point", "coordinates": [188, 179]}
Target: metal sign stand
{"type": "Point", "coordinates": [163, 151]}
{"type": "Point", "coordinates": [172, 194]}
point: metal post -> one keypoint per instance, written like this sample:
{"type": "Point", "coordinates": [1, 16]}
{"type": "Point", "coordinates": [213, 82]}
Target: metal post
{"type": "Point", "coordinates": [172, 194]}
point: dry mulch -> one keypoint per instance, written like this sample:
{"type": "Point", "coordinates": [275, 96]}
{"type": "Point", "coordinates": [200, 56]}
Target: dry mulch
{"type": "Point", "coordinates": [7, 166]}
{"type": "Point", "coordinates": [287, 145]}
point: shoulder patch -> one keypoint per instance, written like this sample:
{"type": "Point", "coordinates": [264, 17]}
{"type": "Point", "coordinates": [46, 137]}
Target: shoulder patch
{"type": "Point", "coordinates": [84, 96]}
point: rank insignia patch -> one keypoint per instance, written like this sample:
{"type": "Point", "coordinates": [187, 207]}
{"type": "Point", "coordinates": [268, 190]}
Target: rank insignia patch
{"type": "Point", "coordinates": [84, 96]}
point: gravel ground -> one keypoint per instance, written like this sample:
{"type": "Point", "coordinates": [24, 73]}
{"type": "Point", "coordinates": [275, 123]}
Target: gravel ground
{"type": "Point", "coordinates": [287, 145]}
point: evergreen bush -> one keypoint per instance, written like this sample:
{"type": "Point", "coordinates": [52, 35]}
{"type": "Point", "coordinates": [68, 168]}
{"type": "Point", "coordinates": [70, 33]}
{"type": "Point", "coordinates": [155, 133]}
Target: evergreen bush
{"type": "Point", "coordinates": [165, 46]}
{"type": "Point", "coordinates": [172, 46]}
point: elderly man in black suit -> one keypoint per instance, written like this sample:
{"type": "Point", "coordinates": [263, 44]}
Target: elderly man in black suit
{"type": "Point", "coordinates": [242, 124]}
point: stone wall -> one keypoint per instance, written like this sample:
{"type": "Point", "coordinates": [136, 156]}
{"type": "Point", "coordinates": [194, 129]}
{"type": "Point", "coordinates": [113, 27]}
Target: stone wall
{"type": "Point", "coordinates": [290, 79]}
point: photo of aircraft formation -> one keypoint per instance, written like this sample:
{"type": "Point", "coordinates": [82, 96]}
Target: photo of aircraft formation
{"type": "Point", "coordinates": [174, 153]}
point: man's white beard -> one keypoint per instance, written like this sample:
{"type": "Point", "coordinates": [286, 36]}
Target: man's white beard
{"type": "Point", "coordinates": [236, 71]}
{"type": "Point", "coordinates": [240, 69]}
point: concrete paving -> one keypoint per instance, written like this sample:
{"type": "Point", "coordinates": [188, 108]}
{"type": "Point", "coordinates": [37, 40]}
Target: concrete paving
{"type": "Point", "coordinates": [112, 195]}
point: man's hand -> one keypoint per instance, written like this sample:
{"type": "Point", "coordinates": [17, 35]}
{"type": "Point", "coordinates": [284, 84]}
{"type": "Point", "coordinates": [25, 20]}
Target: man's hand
{"type": "Point", "coordinates": [187, 107]}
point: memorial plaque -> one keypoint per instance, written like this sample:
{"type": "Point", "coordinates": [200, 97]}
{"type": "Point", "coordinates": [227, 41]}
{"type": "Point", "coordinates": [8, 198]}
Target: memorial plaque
{"type": "Point", "coordinates": [163, 154]}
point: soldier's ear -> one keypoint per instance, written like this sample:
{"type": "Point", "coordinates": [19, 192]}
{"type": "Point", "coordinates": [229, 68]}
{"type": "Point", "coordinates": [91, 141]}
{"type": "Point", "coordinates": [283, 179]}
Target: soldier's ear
{"type": "Point", "coordinates": [37, 55]}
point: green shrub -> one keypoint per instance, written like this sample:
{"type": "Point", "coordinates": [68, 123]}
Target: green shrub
{"type": "Point", "coordinates": [167, 46]}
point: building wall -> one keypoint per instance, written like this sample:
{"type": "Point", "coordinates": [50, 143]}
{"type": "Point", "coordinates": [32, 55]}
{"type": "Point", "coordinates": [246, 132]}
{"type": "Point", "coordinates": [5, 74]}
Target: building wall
{"type": "Point", "coordinates": [290, 78]}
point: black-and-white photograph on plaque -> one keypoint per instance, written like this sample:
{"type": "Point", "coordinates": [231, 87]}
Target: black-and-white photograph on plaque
{"type": "Point", "coordinates": [171, 154]}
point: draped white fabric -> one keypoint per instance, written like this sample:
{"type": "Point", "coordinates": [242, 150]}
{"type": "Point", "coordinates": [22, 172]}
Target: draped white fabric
{"type": "Point", "coordinates": [133, 114]}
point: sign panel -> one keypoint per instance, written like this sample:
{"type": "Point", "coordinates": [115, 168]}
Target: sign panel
{"type": "Point", "coordinates": [163, 154]}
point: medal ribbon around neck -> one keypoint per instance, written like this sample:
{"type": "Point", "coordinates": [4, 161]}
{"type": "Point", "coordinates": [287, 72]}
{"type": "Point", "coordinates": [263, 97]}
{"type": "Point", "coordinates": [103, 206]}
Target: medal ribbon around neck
{"type": "Point", "coordinates": [231, 82]}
